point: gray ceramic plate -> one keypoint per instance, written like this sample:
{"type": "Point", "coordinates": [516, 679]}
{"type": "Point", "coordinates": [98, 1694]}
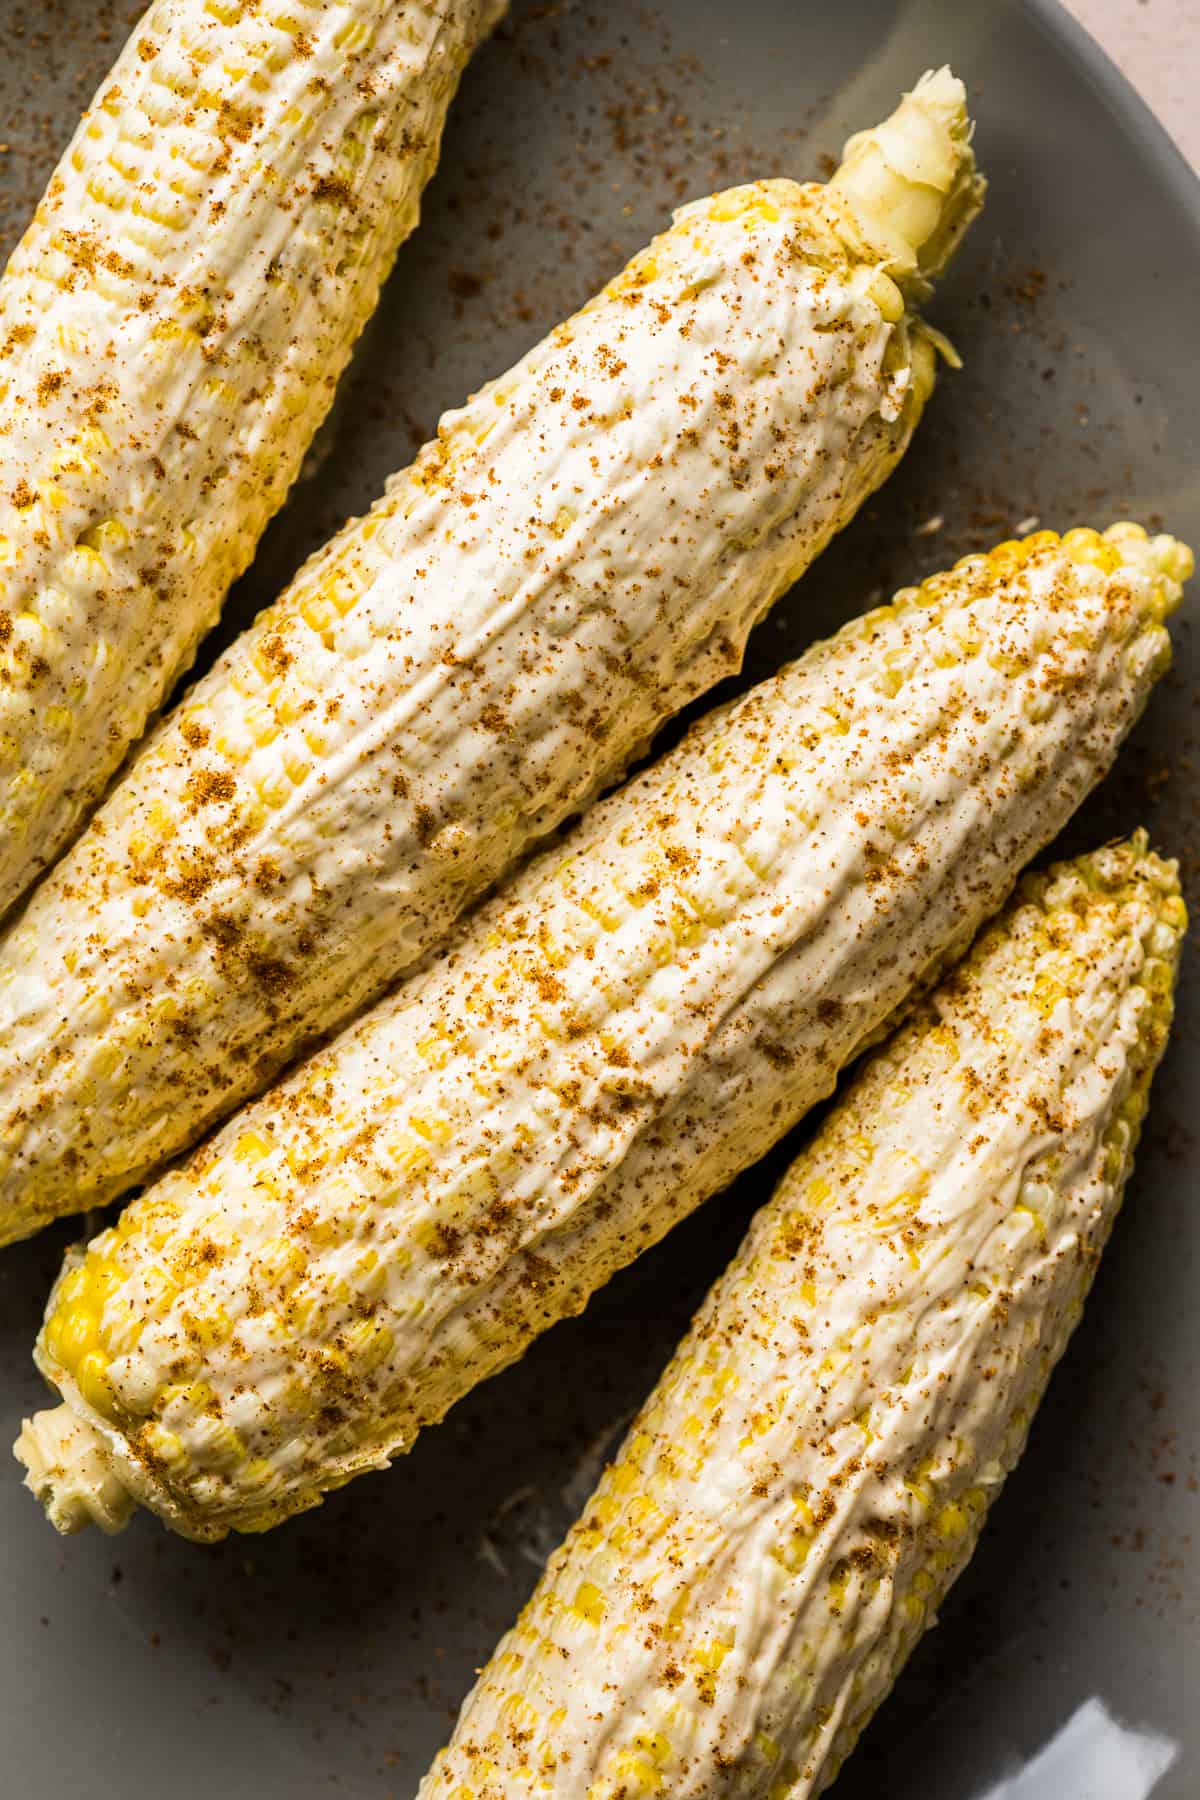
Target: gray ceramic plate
{"type": "Point", "coordinates": [328, 1658]}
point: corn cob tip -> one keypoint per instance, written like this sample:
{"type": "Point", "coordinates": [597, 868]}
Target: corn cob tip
{"type": "Point", "coordinates": [1162, 561]}
{"type": "Point", "coordinates": [1128, 874]}
{"type": "Point", "coordinates": [1126, 869]}
{"type": "Point", "coordinates": [1129, 866]}
{"type": "Point", "coordinates": [70, 1472]}
{"type": "Point", "coordinates": [911, 181]}
{"type": "Point", "coordinates": [1165, 560]}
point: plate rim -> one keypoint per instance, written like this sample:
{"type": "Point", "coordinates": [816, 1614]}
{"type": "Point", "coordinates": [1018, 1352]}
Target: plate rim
{"type": "Point", "coordinates": [1139, 122]}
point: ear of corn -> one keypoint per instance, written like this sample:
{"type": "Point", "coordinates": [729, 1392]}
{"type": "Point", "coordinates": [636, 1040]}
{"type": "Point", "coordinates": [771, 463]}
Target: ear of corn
{"type": "Point", "coordinates": [582, 551]}
{"type": "Point", "coordinates": [172, 326]}
{"type": "Point", "coordinates": [814, 1467]}
{"type": "Point", "coordinates": [636, 1018]}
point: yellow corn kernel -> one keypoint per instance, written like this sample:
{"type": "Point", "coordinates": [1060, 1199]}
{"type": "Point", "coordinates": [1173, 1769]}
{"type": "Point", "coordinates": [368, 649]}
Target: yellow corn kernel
{"type": "Point", "coordinates": [589, 1604]}
{"type": "Point", "coordinates": [122, 1326]}
{"type": "Point", "coordinates": [273, 790]}
{"type": "Point", "coordinates": [72, 1288]}
{"type": "Point", "coordinates": [951, 1520]}
{"type": "Point", "coordinates": [257, 1475]}
{"type": "Point", "coordinates": [793, 1553]}
{"type": "Point", "coordinates": [353, 36]}
{"type": "Point", "coordinates": [164, 1447]}
{"type": "Point", "coordinates": [636, 1775]}
{"type": "Point", "coordinates": [368, 1343]}
{"type": "Point", "coordinates": [223, 1448]}
{"type": "Point", "coordinates": [319, 613]}
{"type": "Point", "coordinates": [1006, 558]}
{"type": "Point", "coordinates": [79, 1331]}
{"type": "Point", "coordinates": [51, 1337]}
{"type": "Point", "coordinates": [186, 1397]}
{"type": "Point", "coordinates": [91, 1378]}
{"type": "Point", "coordinates": [207, 1322]}
{"type": "Point", "coordinates": [1086, 547]}
{"type": "Point", "coordinates": [280, 1261]}
{"type": "Point", "coordinates": [244, 678]}
{"type": "Point", "coordinates": [887, 297]}
{"type": "Point", "coordinates": [252, 1147]}
{"type": "Point", "coordinates": [413, 1157]}
{"type": "Point", "coordinates": [748, 204]}
{"type": "Point", "coordinates": [297, 768]}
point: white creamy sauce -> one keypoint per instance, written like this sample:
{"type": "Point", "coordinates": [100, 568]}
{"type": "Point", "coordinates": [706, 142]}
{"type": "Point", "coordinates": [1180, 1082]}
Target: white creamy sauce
{"type": "Point", "coordinates": [172, 326]}
{"type": "Point", "coordinates": [815, 1465]}
{"type": "Point", "coordinates": [631, 1021]}
{"type": "Point", "coordinates": [583, 550]}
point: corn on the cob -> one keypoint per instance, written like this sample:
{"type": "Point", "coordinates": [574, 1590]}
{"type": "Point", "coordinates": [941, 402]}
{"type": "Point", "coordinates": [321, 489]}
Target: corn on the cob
{"type": "Point", "coordinates": [583, 550]}
{"type": "Point", "coordinates": [601, 1046]}
{"type": "Point", "coordinates": [813, 1469]}
{"type": "Point", "coordinates": [172, 326]}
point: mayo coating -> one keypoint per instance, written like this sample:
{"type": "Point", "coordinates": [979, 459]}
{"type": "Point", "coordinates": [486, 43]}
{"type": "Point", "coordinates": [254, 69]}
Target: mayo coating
{"type": "Point", "coordinates": [813, 1469]}
{"type": "Point", "coordinates": [582, 550]}
{"type": "Point", "coordinates": [633, 1020]}
{"type": "Point", "coordinates": [172, 327]}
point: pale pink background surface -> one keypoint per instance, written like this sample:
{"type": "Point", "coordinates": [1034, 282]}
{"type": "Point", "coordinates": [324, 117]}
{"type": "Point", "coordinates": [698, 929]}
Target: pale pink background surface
{"type": "Point", "coordinates": [1156, 44]}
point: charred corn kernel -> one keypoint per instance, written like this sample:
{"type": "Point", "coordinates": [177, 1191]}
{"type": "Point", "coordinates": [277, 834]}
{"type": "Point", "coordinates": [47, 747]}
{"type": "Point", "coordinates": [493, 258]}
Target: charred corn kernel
{"type": "Point", "coordinates": [380, 735]}
{"type": "Point", "coordinates": [150, 435]}
{"type": "Point", "coordinates": [583, 1106]}
{"type": "Point", "coordinates": [825, 1623]}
